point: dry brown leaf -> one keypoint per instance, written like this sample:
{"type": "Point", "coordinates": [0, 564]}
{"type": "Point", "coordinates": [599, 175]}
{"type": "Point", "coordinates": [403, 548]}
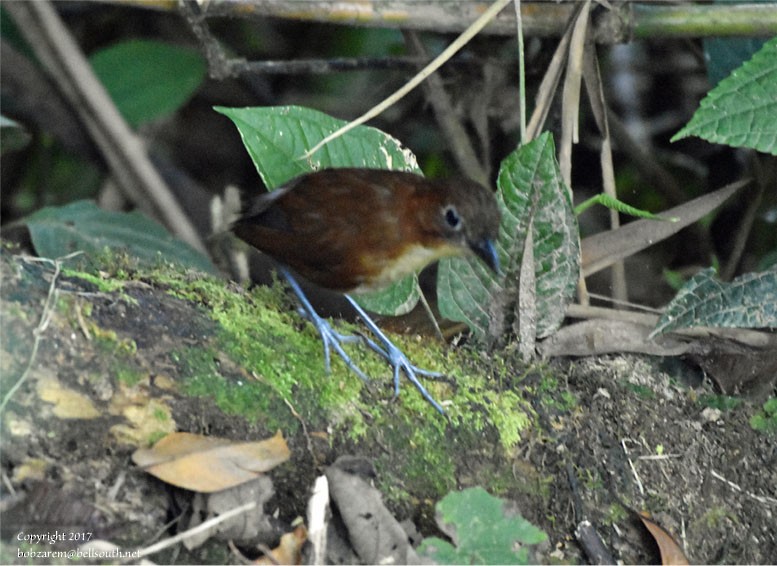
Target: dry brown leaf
{"type": "Point", "coordinates": [671, 551]}
{"type": "Point", "coordinates": [599, 336]}
{"type": "Point", "coordinates": [207, 464]}
{"type": "Point", "coordinates": [289, 550]}
{"type": "Point", "coordinates": [602, 250]}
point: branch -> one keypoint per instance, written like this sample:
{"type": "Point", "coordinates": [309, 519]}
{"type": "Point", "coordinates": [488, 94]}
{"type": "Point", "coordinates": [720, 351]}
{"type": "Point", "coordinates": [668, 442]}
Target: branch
{"type": "Point", "coordinates": [545, 18]}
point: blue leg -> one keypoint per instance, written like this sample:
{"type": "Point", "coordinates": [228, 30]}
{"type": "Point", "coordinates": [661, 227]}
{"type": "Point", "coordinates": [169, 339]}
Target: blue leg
{"type": "Point", "coordinates": [396, 358]}
{"type": "Point", "coordinates": [328, 335]}
{"type": "Point", "coordinates": [334, 339]}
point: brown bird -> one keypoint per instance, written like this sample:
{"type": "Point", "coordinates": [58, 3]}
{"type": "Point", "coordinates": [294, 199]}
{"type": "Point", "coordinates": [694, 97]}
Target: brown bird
{"type": "Point", "coordinates": [354, 230]}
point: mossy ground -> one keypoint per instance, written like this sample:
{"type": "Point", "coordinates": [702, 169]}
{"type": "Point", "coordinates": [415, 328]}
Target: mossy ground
{"type": "Point", "coordinates": [151, 350]}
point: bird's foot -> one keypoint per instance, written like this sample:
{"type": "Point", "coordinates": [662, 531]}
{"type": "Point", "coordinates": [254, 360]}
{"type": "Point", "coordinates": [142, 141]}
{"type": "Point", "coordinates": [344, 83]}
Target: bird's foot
{"type": "Point", "coordinates": [333, 340]}
{"type": "Point", "coordinates": [396, 358]}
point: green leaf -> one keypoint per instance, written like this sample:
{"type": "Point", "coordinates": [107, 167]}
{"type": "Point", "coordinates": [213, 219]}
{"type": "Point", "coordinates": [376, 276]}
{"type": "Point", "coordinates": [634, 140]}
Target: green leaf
{"type": "Point", "coordinates": [276, 137]}
{"type": "Point", "coordinates": [741, 111]}
{"type": "Point", "coordinates": [82, 226]}
{"type": "Point", "coordinates": [531, 193]}
{"type": "Point", "coordinates": [148, 80]}
{"type": "Point", "coordinates": [749, 301]}
{"type": "Point", "coordinates": [765, 421]}
{"type": "Point", "coordinates": [484, 529]}
{"type": "Point", "coordinates": [396, 299]}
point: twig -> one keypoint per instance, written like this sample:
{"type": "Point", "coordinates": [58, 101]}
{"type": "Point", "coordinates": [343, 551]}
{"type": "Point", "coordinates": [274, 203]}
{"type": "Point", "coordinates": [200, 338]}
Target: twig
{"type": "Point", "coordinates": [746, 336]}
{"type": "Point", "coordinates": [549, 84]}
{"type": "Point", "coordinates": [202, 527]}
{"type": "Point", "coordinates": [570, 94]}
{"type": "Point", "coordinates": [759, 498]}
{"type": "Point", "coordinates": [438, 61]}
{"type": "Point", "coordinates": [45, 319]}
{"type": "Point", "coordinates": [633, 469]}
{"type": "Point", "coordinates": [521, 71]}
{"type": "Point", "coordinates": [297, 416]}
{"type": "Point", "coordinates": [455, 134]}
{"type": "Point", "coordinates": [121, 148]}
{"type": "Point", "coordinates": [743, 231]}
{"type": "Point", "coordinates": [541, 19]}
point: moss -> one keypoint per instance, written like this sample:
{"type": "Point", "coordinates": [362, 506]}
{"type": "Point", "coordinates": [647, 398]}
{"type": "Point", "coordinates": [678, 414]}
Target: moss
{"type": "Point", "coordinates": [642, 391]}
{"type": "Point", "coordinates": [110, 342]}
{"type": "Point", "coordinates": [765, 420]}
{"type": "Point", "coordinates": [101, 282]}
{"type": "Point", "coordinates": [129, 377]}
{"type": "Point", "coordinates": [616, 514]}
{"type": "Point", "coordinates": [265, 355]}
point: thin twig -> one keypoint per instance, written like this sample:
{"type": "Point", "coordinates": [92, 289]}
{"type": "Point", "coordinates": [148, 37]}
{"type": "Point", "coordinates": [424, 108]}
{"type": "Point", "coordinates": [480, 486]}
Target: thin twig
{"type": "Point", "coordinates": [633, 469]}
{"type": "Point", "coordinates": [760, 498]}
{"type": "Point", "coordinates": [43, 324]}
{"type": "Point", "coordinates": [202, 527]}
{"type": "Point", "coordinates": [121, 148]}
{"type": "Point", "coordinates": [455, 133]}
{"type": "Point", "coordinates": [521, 71]}
{"type": "Point", "coordinates": [745, 227]}
{"type": "Point", "coordinates": [449, 52]}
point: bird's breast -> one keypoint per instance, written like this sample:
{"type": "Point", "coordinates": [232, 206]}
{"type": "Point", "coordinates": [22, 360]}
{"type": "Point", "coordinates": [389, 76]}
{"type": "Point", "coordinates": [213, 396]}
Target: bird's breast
{"type": "Point", "coordinates": [412, 258]}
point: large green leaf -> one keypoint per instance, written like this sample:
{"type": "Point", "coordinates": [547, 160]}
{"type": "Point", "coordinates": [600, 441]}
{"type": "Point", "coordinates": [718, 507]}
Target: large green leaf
{"type": "Point", "coordinates": [148, 79]}
{"type": "Point", "coordinates": [741, 110]}
{"type": "Point", "coordinates": [82, 226]}
{"type": "Point", "coordinates": [276, 137]}
{"type": "Point", "coordinates": [749, 301]}
{"type": "Point", "coordinates": [531, 194]}
{"type": "Point", "coordinates": [484, 529]}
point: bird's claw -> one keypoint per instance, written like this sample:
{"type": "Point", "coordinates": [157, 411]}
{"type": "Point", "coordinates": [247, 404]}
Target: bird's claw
{"type": "Point", "coordinates": [334, 340]}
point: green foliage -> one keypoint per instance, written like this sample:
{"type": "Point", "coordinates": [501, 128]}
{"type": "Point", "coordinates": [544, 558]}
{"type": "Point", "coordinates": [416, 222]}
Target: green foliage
{"type": "Point", "coordinates": [276, 138]}
{"type": "Point", "coordinates": [615, 204]}
{"type": "Point", "coordinates": [148, 80]}
{"type": "Point", "coordinates": [749, 301]}
{"type": "Point", "coordinates": [720, 402]}
{"type": "Point", "coordinates": [741, 111]}
{"type": "Point", "coordinates": [82, 226]}
{"type": "Point", "coordinates": [484, 530]}
{"type": "Point", "coordinates": [766, 420]}
{"type": "Point", "coordinates": [531, 196]}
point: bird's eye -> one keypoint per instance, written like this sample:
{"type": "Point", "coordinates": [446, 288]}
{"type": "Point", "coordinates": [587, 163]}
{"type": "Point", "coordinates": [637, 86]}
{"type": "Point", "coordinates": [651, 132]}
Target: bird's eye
{"type": "Point", "coordinates": [452, 217]}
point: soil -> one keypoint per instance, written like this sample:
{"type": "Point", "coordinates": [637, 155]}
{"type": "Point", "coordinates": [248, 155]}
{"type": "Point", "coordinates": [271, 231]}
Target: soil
{"type": "Point", "coordinates": [616, 435]}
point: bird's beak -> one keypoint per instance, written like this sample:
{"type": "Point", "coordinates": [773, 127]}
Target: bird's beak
{"type": "Point", "coordinates": [486, 250]}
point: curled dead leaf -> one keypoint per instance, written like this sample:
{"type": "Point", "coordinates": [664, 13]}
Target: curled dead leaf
{"type": "Point", "coordinates": [208, 464]}
{"type": "Point", "coordinates": [670, 549]}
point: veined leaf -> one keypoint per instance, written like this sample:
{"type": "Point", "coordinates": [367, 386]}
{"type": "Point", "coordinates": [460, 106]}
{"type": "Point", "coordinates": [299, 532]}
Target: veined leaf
{"type": "Point", "coordinates": [749, 301]}
{"type": "Point", "coordinates": [531, 195]}
{"type": "Point", "coordinates": [741, 111]}
{"type": "Point", "coordinates": [83, 226]}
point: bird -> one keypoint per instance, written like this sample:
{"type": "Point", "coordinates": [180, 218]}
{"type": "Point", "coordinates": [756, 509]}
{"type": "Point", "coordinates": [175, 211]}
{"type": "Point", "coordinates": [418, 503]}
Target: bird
{"type": "Point", "coordinates": [355, 230]}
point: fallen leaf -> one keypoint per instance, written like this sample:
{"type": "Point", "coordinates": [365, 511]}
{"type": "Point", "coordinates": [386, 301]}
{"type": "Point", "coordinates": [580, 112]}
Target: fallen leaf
{"type": "Point", "coordinates": [289, 550]}
{"type": "Point", "coordinates": [671, 551]}
{"type": "Point", "coordinates": [207, 464]}
{"type": "Point", "coordinates": [603, 249]}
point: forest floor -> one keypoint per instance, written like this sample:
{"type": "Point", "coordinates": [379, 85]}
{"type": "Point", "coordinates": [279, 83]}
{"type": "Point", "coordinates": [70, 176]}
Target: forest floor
{"type": "Point", "coordinates": [117, 366]}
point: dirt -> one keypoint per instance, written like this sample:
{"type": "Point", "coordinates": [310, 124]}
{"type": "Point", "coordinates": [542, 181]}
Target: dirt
{"type": "Point", "coordinates": [610, 436]}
